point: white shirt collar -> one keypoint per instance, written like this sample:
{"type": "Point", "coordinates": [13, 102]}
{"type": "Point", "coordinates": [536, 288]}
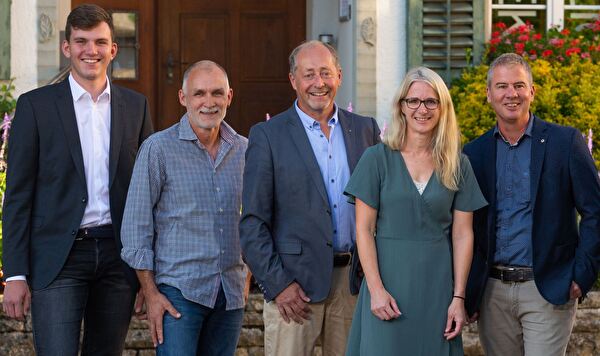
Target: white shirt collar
{"type": "Point", "coordinates": [77, 90]}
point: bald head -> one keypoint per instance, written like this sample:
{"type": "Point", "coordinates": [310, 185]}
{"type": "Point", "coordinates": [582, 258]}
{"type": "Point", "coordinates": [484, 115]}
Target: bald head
{"type": "Point", "coordinates": [204, 65]}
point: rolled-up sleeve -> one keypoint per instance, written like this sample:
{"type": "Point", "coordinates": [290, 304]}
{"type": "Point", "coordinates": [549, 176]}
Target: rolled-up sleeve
{"type": "Point", "coordinates": [137, 231]}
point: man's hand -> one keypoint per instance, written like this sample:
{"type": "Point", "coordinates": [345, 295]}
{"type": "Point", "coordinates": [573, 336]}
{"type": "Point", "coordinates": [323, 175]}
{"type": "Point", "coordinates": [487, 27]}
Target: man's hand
{"type": "Point", "coordinates": [17, 299]}
{"type": "Point", "coordinates": [140, 308]}
{"type": "Point", "coordinates": [292, 304]}
{"type": "Point", "coordinates": [574, 291]}
{"type": "Point", "coordinates": [473, 318]}
{"type": "Point", "coordinates": [157, 304]}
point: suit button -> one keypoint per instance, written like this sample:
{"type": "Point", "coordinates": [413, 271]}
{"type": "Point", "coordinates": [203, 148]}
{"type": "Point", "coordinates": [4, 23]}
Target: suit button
{"type": "Point", "coordinates": [73, 232]}
{"type": "Point", "coordinates": [83, 200]}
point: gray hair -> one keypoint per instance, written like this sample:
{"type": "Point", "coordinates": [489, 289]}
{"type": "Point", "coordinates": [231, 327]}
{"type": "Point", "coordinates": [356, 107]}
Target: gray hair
{"type": "Point", "coordinates": [508, 59]}
{"type": "Point", "coordinates": [308, 44]}
{"type": "Point", "coordinates": [206, 65]}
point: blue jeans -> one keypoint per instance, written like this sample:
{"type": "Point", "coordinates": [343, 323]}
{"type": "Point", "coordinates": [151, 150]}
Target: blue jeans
{"type": "Point", "coordinates": [91, 286]}
{"type": "Point", "coordinates": [200, 330]}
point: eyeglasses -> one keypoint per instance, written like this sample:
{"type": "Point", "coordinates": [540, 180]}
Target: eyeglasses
{"type": "Point", "coordinates": [415, 103]}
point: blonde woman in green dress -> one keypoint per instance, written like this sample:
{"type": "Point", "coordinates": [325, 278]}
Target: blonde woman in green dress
{"type": "Point", "coordinates": [414, 194]}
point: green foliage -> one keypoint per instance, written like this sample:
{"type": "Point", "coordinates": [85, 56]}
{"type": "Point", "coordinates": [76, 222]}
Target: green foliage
{"type": "Point", "coordinates": [566, 93]}
{"type": "Point", "coordinates": [7, 102]}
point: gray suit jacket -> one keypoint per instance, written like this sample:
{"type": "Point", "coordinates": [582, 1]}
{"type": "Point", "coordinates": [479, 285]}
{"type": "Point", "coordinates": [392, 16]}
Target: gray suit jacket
{"type": "Point", "coordinates": [46, 192]}
{"type": "Point", "coordinates": [286, 230]}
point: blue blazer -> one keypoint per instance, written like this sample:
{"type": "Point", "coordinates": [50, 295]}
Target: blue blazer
{"type": "Point", "coordinates": [564, 182]}
{"type": "Point", "coordinates": [286, 231]}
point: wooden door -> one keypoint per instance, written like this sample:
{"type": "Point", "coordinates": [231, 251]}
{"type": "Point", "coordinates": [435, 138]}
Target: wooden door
{"type": "Point", "coordinates": [138, 49]}
{"type": "Point", "coordinates": [251, 39]}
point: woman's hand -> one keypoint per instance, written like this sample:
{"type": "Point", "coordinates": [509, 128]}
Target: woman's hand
{"type": "Point", "coordinates": [457, 318]}
{"type": "Point", "coordinates": [383, 305]}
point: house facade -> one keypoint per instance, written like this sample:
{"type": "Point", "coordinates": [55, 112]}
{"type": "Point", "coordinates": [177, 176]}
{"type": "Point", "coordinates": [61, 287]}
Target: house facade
{"type": "Point", "coordinates": [377, 40]}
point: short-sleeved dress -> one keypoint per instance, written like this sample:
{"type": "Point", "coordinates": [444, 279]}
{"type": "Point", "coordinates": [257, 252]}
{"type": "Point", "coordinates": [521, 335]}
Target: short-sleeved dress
{"type": "Point", "coordinates": [414, 255]}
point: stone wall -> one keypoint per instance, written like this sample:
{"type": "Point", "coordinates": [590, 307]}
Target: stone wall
{"type": "Point", "coordinates": [16, 339]}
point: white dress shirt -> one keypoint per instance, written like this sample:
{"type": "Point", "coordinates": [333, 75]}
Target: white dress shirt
{"type": "Point", "coordinates": [93, 124]}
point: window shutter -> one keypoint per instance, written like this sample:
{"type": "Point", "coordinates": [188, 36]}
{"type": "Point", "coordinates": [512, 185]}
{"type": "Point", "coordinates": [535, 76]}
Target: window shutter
{"type": "Point", "coordinates": [442, 31]}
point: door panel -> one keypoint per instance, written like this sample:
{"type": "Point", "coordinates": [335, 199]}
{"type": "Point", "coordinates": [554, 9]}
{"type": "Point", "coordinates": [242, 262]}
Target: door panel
{"type": "Point", "coordinates": [251, 39]}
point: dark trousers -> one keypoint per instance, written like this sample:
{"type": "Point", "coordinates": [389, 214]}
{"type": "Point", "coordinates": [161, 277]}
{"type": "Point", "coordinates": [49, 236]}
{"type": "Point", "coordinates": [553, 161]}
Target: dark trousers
{"type": "Point", "coordinates": [201, 331]}
{"type": "Point", "coordinates": [91, 287]}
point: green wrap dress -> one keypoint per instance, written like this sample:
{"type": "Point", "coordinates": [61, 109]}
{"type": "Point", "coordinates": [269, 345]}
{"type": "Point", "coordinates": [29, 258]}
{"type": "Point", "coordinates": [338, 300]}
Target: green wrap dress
{"type": "Point", "coordinates": [414, 255]}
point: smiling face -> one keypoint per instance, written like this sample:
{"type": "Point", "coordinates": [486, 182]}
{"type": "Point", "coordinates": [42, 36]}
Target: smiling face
{"type": "Point", "coordinates": [316, 80]}
{"type": "Point", "coordinates": [510, 94]}
{"type": "Point", "coordinates": [90, 52]}
{"type": "Point", "coordinates": [206, 96]}
{"type": "Point", "coordinates": [421, 120]}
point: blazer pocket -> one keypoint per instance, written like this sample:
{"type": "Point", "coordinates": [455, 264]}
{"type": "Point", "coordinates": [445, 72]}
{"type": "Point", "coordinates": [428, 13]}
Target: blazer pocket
{"type": "Point", "coordinates": [290, 247]}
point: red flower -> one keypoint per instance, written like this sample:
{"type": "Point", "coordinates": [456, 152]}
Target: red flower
{"type": "Point", "coordinates": [585, 55]}
{"type": "Point", "coordinates": [572, 50]}
{"type": "Point", "coordinates": [523, 29]}
{"type": "Point", "coordinates": [591, 48]}
{"type": "Point", "coordinates": [533, 52]}
{"type": "Point", "coordinates": [519, 47]}
{"type": "Point", "coordinates": [547, 53]}
{"type": "Point", "coordinates": [495, 41]}
{"type": "Point", "coordinates": [575, 42]}
{"type": "Point", "coordinates": [557, 42]}
{"type": "Point", "coordinates": [501, 25]}
{"type": "Point", "coordinates": [537, 37]}
{"type": "Point", "coordinates": [523, 38]}
{"type": "Point", "coordinates": [565, 32]}
{"type": "Point", "coordinates": [495, 34]}
{"type": "Point", "coordinates": [492, 49]}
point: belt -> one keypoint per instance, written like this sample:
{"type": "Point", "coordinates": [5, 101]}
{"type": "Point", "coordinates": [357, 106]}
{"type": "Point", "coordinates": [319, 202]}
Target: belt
{"type": "Point", "coordinates": [96, 232]}
{"type": "Point", "coordinates": [342, 259]}
{"type": "Point", "coordinates": [512, 274]}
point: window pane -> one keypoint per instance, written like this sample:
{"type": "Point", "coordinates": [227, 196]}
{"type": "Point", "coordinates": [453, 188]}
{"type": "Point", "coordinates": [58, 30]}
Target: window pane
{"type": "Point", "coordinates": [125, 64]}
{"type": "Point", "coordinates": [519, 12]}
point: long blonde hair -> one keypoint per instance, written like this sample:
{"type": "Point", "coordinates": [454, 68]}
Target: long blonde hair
{"type": "Point", "coordinates": [445, 143]}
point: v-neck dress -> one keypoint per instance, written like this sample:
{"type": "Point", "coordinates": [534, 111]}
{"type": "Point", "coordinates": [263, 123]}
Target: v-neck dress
{"type": "Point", "coordinates": [414, 255]}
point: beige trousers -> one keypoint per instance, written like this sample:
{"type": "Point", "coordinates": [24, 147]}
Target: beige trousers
{"type": "Point", "coordinates": [330, 320]}
{"type": "Point", "coordinates": [516, 320]}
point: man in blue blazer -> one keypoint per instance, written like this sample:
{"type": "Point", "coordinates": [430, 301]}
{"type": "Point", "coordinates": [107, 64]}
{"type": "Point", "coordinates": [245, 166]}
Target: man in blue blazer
{"type": "Point", "coordinates": [71, 152]}
{"type": "Point", "coordinates": [532, 260]}
{"type": "Point", "coordinates": [297, 229]}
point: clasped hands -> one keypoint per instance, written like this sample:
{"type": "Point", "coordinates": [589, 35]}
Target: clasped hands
{"type": "Point", "coordinates": [292, 303]}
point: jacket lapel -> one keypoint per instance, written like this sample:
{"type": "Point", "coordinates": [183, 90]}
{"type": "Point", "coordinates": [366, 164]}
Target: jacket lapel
{"type": "Point", "coordinates": [117, 126]}
{"type": "Point", "coordinates": [539, 140]}
{"type": "Point", "coordinates": [305, 151]}
{"type": "Point", "coordinates": [66, 110]}
{"type": "Point", "coordinates": [489, 154]}
{"type": "Point", "coordinates": [347, 126]}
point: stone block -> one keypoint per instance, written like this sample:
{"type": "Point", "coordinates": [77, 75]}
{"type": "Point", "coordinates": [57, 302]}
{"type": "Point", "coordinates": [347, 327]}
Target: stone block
{"type": "Point", "coordinates": [251, 337]}
{"type": "Point", "coordinates": [253, 319]}
{"type": "Point", "coordinates": [147, 352]}
{"type": "Point", "coordinates": [16, 344]}
{"type": "Point", "coordinates": [138, 339]}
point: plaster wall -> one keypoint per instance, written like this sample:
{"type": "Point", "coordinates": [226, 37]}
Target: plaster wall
{"type": "Point", "coordinates": [23, 41]}
{"type": "Point", "coordinates": [366, 50]}
{"type": "Point", "coordinates": [323, 18]}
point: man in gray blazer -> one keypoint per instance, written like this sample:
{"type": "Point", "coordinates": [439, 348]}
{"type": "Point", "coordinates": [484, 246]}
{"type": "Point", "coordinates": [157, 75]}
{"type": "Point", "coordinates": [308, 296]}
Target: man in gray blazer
{"type": "Point", "coordinates": [297, 229]}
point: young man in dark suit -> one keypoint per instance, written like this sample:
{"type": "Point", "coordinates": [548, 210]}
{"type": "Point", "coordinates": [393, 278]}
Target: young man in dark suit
{"type": "Point", "coordinates": [532, 259]}
{"type": "Point", "coordinates": [297, 229]}
{"type": "Point", "coordinates": [70, 157]}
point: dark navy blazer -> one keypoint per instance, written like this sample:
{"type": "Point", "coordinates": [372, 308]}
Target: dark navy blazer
{"type": "Point", "coordinates": [564, 182]}
{"type": "Point", "coordinates": [286, 230]}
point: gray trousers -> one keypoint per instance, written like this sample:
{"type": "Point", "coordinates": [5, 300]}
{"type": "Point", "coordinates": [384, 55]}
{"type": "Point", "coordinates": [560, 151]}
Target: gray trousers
{"type": "Point", "coordinates": [516, 320]}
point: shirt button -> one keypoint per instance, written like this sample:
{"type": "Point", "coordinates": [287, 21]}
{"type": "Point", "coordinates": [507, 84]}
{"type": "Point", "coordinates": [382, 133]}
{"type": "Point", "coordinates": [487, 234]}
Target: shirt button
{"type": "Point", "coordinates": [220, 210]}
{"type": "Point", "coordinates": [221, 230]}
{"type": "Point", "coordinates": [329, 156]}
{"type": "Point", "coordinates": [333, 180]}
{"type": "Point", "coordinates": [222, 252]}
{"type": "Point", "coordinates": [335, 205]}
{"type": "Point", "coordinates": [218, 189]}
{"type": "Point", "coordinates": [335, 231]}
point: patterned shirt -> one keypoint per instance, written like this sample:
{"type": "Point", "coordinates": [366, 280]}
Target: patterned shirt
{"type": "Point", "coordinates": [513, 209]}
{"type": "Point", "coordinates": [182, 214]}
{"type": "Point", "coordinates": [333, 163]}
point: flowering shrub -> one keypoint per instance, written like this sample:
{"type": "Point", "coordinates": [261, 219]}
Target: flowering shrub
{"type": "Point", "coordinates": [566, 93]}
{"type": "Point", "coordinates": [556, 45]}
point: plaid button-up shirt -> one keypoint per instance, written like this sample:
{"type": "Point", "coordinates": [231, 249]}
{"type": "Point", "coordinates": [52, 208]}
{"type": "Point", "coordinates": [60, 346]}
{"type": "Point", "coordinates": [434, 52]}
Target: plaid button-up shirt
{"type": "Point", "coordinates": [182, 214]}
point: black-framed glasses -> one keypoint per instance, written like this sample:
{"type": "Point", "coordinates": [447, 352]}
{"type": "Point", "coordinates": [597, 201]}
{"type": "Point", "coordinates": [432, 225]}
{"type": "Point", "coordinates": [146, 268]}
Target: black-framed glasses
{"type": "Point", "coordinates": [415, 103]}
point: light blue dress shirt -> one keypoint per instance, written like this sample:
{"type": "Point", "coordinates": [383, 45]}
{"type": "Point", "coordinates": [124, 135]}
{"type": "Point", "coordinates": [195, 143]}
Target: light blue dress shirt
{"type": "Point", "coordinates": [333, 163]}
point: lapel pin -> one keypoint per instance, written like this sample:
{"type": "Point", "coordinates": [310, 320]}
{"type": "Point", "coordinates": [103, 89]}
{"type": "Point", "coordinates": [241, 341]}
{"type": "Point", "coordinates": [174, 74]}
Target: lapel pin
{"type": "Point", "coordinates": [542, 140]}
